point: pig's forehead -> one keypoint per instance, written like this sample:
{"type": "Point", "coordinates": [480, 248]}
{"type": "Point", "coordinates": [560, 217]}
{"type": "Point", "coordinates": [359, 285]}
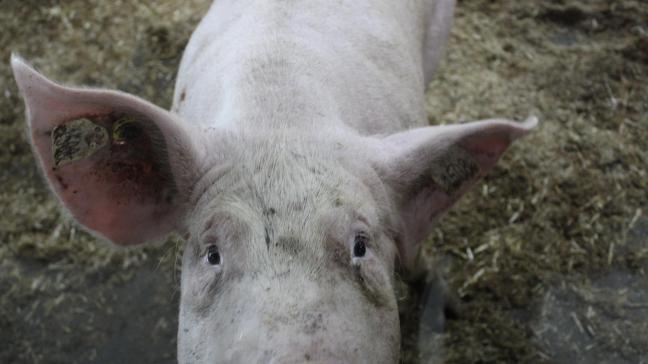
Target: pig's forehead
{"type": "Point", "coordinates": [296, 183]}
{"type": "Point", "coordinates": [279, 197]}
{"type": "Point", "coordinates": [274, 177]}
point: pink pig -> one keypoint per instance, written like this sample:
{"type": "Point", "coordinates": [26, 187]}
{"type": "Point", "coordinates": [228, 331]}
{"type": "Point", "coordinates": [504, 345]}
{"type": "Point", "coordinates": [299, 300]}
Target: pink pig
{"type": "Point", "coordinates": [296, 161]}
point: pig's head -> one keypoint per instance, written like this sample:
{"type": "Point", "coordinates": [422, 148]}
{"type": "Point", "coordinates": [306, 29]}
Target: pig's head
{"type": "Point", "coordinates": [292, 239]}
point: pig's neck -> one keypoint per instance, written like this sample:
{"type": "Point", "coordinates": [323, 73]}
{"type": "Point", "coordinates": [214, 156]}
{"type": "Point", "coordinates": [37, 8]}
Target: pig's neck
{"type": "Point", "coordinates": [306, 66]}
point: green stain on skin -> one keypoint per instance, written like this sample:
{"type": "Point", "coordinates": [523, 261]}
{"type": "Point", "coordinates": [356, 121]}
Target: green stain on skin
{"type": "Point", "coordinates": [76, 140]}
{"type": "Point", "coordinates": [124, 129]}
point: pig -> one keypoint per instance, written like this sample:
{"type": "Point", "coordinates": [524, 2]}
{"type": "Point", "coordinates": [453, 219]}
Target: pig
{"type": "Point", "coordinates": [296, 161]}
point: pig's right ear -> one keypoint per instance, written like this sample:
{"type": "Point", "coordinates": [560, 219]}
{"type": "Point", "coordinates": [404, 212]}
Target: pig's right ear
{"type": "Point", "coordinates": [122, 166]}
{"type": "Point", "coordinates": [430, 168]}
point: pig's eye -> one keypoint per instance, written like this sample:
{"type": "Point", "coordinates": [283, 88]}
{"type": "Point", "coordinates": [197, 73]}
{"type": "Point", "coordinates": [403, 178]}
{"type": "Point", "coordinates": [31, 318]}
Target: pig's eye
{"type": "Point", "coordinates": [213, 256]}
{"type": "Point", "coordinates": [360, 245]}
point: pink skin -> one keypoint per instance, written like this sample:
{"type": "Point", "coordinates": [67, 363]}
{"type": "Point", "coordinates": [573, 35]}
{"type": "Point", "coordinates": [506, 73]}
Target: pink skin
{"type": "Point", "coordinates": [112, 193]}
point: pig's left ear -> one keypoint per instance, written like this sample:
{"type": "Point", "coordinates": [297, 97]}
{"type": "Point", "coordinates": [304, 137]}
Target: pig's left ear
{"type": "Point", "coordinates": [430, 168]}
{"type": "Point", "coordinates": [121, 166]}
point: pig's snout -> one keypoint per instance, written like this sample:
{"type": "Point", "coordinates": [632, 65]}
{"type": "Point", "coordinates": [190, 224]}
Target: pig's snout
{"type": "Point", "coordinates": [288, 346]}
{"type": "Point", "coordinates": [306, 358]}
{"type": "Point", "coordinates": [289, 354]}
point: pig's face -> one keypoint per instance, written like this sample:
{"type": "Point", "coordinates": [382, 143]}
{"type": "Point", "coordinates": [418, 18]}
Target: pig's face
{"type": "Point", "coordinates": [290, 259]}
{"type": "Point", "coordinates": [292, 236]}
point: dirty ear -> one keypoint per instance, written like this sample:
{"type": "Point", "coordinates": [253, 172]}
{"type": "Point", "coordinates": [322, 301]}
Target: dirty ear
{"type": "Point", "coordinates": [430, 168]}
{"type": "Point", "coordinates": [120, 165]}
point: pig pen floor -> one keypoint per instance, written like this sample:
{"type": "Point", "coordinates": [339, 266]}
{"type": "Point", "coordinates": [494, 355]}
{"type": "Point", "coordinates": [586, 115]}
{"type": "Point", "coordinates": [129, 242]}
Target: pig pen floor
{"type": "Point", "coordinates": [548, 256]}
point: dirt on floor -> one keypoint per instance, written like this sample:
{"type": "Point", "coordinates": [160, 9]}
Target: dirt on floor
{"type": "Point", "coordinates": [548, 256]}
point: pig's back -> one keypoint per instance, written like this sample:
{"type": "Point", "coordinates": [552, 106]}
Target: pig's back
{"type": "Point", "coordinates": [305, 64]}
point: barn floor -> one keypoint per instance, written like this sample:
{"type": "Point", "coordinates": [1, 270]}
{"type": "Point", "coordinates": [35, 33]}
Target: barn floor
{"type": "Point", "coordinates": [548, 257]}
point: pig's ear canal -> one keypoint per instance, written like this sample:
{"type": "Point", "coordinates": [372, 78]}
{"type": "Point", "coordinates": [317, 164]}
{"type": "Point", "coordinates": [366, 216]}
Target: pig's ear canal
{"type": "Point", "coordinates": [430, 168]}
{"type": "Point", "coordinates": [122, 167]}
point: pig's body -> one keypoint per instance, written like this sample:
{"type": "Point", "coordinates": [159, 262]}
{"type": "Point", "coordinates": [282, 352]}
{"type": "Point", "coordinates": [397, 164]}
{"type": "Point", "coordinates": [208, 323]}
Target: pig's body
{"type": "Point", "coordinates": [290, 163]}
{"type": "Point", "coordinates": [314, 66]}
{"type": "Point", "coordinates": [304, 78]}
